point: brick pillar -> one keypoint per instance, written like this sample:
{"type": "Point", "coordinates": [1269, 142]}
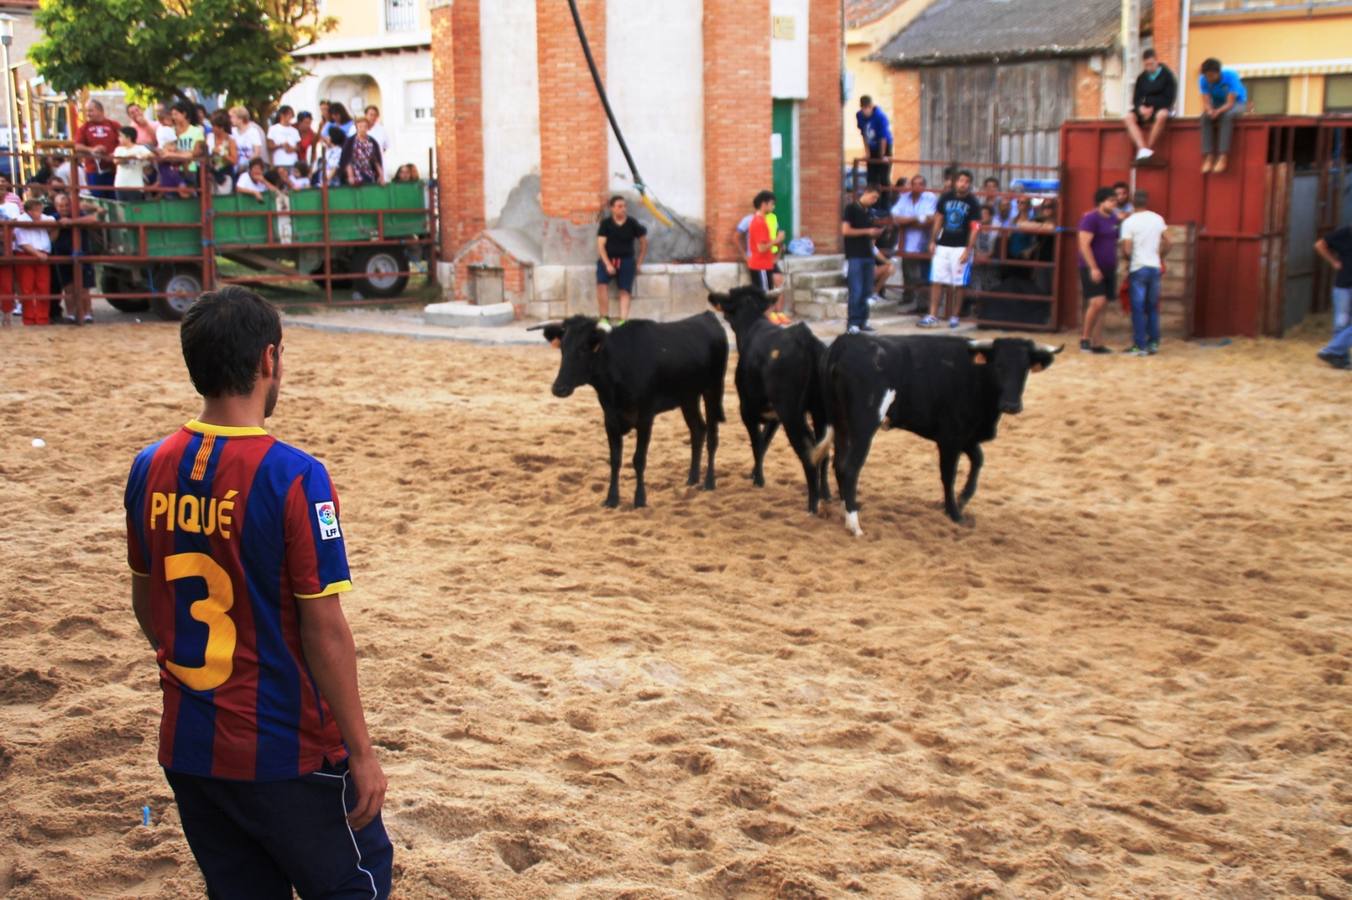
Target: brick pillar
{"type": "Point", "coordinates": [905, 113]}
{"type": "Point", "coordinates": [574, 149]}
{"type": "Point", "coordinates": [1088, 91]}
{"type": "Point", "coordinates": [457, 93]}
{"type": "Point", "coordinates": [819, 183]}
{"type": "Point", "coordinates": [1167, 32]}
{"type": "Point", "coordinates": [738, 112]}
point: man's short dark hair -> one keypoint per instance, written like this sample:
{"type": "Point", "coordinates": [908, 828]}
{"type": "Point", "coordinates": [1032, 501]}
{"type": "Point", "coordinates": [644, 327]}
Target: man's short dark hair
{"type": "Point", "coordinates": [1141, 200]}
{"type": "Point", "coordinates": [371, 107]}
{"type": "Point", "coordinates": [337, 137]}
{"type": "Point", "coordinates": [762, 198]}
{"type": "Point", "coordinates": [223, 336]}
{"type": "Point", "coordinates": [1121, 184]}
{"type": "Point", "coordinates": [32, 203]}
{"type": "Point", "coordinates": [991, 180]}
{"type": "Point", "coordinates": [614, 198]}
{"type": "Point", "coordinates": [283, 110]}
{"type": "Point", "coordinates": [1211, 64]}
{"type": "Point", "coordinates": [304, 114]}
{"type": "Point", "coordinates": [872, 187]}
{"type": "Point", "coordinates": [865, 100]}
{"type": "Point", "coordinates": [962, 172]}
{"type": "Point", "coordinates": [96, 104]}
{"type": "Point", "coordinates": [1103, 193]}
{"type": "Point", "coordinates": [128, 132]}
{"type": "Point", "coordinates": [1148, 53]}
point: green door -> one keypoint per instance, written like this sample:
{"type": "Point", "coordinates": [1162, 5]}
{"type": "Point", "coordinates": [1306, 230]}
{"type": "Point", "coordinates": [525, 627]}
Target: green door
{"type": "Point", "coordinates": [784, 154]}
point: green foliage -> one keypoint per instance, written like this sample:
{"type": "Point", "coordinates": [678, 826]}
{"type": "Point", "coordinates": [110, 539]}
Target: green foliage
{"type": "Point", "coordinates": [161, 48]}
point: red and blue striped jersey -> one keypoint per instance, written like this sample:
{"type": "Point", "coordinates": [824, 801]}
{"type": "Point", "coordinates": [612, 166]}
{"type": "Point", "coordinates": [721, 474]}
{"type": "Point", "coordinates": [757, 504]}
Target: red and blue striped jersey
{"type": "Point", "coordinates": [235, 529]}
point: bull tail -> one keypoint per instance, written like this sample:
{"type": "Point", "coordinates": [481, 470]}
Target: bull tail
{"type": "Point", "coordinates": [823, 447]}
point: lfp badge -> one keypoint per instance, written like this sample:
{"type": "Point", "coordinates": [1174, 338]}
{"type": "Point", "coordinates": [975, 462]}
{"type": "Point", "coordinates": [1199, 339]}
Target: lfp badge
{"type": "Point", "coordinates": [327, 514]}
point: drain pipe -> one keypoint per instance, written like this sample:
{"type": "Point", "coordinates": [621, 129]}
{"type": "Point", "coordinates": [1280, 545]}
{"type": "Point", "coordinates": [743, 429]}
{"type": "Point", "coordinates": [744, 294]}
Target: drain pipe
{"type": "Point", "coordinates": [1183, 76]}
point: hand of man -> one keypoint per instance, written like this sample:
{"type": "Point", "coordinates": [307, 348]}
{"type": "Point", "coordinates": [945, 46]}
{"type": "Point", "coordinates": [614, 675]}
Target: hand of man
{"type": "Point", "coordinates": [1096, 275]}
{"type": "Point", "coordinates": [610, 270]}
{"type": "Point", "coordinates": [966, 252]}
{"type": "Point", "coordinates": [1337, 265]}
{"type": "Point", "coordinates": [370, 783]}
{"type": "Point", "coordinates": [931, 248]}
{"type": "Point", "coordinates": [1145, 111]}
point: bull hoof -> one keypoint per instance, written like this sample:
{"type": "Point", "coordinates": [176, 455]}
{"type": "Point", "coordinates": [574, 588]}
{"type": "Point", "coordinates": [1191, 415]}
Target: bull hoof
{"type": "Point", "coordinates": [611, 502]}
{"type": "Point", "coordinates": [757, 481]}
{"type": "Point", "coordinates": [692, 480]}
{"type": "Point", "coordinates": [852, 523]}
{"type": "Point", "coordinates": [640, 501]}
{"type": "Point", "coordinates": [708, 485]}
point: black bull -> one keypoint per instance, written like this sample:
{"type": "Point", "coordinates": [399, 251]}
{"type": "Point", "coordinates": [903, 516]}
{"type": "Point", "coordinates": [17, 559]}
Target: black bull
{"type": "Point", "coordinates": [949, 390]}
{"type": "Point", "coordinates": [641, 369]}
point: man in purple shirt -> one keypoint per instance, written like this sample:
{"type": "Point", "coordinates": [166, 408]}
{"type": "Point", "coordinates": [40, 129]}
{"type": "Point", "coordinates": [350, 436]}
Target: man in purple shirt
{"type": "Point", "coordinates": [1098, 267]}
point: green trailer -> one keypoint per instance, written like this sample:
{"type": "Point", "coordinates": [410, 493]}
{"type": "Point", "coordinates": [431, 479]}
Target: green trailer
{"type": "Point", "coordinates": [374, 233]}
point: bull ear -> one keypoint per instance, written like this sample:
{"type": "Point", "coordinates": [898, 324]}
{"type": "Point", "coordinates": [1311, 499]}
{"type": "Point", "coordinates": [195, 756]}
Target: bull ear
{"type": "Point", "coordinates": [717, 300]}
{"type": "Point", "coordinates": [979, 358]}
{"type": "Point", "coordinates": [1041, 358]}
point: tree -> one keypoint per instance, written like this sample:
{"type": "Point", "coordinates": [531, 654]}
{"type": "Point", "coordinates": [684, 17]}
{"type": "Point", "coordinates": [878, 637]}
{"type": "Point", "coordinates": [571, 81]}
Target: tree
{"type": "Point", "coordinates": [163, 48]}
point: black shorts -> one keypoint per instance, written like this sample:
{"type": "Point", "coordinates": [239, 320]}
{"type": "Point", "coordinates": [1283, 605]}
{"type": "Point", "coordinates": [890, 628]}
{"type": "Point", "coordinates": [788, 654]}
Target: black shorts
{"type": "Point", "coordinates": [260, 839]}
{"type": "Point", "coordinates": [1105, 288]}
{"type": "Point", "coordinates": [626, 267]}
{"type": "Point", "coordinates": [763, 279]}
{"type": "Point", "coordinates": [1143, 119]}
{"type": "Point", "coordinates": [63, 275]}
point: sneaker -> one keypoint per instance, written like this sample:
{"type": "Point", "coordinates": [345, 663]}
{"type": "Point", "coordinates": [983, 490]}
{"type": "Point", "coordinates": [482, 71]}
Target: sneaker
{"type": "Point", "coordinates": [853, 329]}
{"type": "Point", "coordinates": [928, 322]}
{"type": "Point", "coordinates": [88, 320]}
{"type": "Point", "coordinates": [1134, 350]}
{"type": "Point", "coordinates": [1099, 349]}
{"type": "Point", "coordinates": [1152, 348]}
{"type": "Point", "coordinates": [1085, 348]}
{"type": "Point", "coordinates": [868, 329]}
{"type": "Point", "coordinates": [1335, 360]}
{"type": "Point", "coordinates": [953, 322]}
{"type": "Point", "coordinates": [1144, 153]}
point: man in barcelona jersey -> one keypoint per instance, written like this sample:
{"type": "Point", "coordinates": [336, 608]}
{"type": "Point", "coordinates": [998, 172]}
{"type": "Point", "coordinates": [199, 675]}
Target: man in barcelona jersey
{"type": "Point", "coordinates": [238, 560]}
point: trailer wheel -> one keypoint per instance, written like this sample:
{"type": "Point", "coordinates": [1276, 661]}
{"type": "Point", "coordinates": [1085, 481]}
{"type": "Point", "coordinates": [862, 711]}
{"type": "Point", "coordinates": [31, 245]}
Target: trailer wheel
{"type": "Point", "coordinates": [115, 281]}
{"type": "Point", "coordinates": [380, 268]}
{"type": "Point", "coordinates": [182, 285]}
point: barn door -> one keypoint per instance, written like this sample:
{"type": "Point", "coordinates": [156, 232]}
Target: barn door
{"type": "Point", "coordinates": [784, 164]}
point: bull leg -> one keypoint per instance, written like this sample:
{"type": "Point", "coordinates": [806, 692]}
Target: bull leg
{"type": "Point", "coordinates": [696, 426]}
{"type": "Point", "coordinates": [616, 438]}
{"type": "Point", "coordinates": [754, 433]}
{"type": "Point", "coordinates": [848, 466]}
{"type": "Point", "coordinates": [975, 459]}
{"type": "Point", "coordinates": [795, 428]}
{"type": "Point", "coordinates": [645, 433]}
{"type": "Point", "coordinates": [948, 470]}
{"type": "Point", "coordinates": [712, 407]}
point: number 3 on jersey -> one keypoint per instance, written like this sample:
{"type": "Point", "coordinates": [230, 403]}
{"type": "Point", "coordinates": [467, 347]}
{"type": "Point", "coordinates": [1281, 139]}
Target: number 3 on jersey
{"type": "Point", "coordinates": [212, 611]}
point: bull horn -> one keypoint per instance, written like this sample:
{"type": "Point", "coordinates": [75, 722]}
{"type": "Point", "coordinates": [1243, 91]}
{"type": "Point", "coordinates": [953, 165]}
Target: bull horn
{"type": "Point", "coordinates": [982, 346]}
{"type": "Point", "coordinates": [543, 325]}
{"type": "Point", "coordinates": [704, 277]}
{"type": "Point", "coordinates": [1048, 348]}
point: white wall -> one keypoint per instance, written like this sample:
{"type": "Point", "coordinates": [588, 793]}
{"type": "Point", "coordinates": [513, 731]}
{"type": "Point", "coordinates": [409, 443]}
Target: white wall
{"type": "Point", "coordinates": [788, 58]}
{"type": "Point", "coordinates": [655, 79]}
{"type": "Point", "coordinates": [401, 78]}
{"type": "Point", "coordinates": [511, 98]}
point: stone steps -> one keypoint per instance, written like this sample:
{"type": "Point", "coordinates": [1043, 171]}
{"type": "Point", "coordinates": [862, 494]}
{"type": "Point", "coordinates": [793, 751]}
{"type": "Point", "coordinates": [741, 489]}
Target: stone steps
{"type": "Point", "coordinates": [827, 262]}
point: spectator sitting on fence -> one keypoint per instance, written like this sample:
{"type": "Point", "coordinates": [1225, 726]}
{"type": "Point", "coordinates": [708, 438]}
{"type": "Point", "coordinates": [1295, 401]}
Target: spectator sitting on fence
{"type": "Point", "coordinates": [252, 182]}
{"type": "Point", "coordinates": [877, 134]}
{"type": "Point", "coordinates": [309, 138]}
{"type": "Point", "coordinates": [131, 159]}
{"type": "Point", "coordinates": [1223, 101]}
{"type": "Point", "coordinates": [1151, 103]}
{"type": "Point", "coordinates": [224, 154]}
{"type": "Point", "coordinates": [75, 291]}
{"type": "Point", "coordinates": [35, 277]}
{"type": "Point", "coordinates": [284, 140]}
{"type": "Point", "coordinates": [300, 176]}
{"type": "Point", "coordinates": [361, 160]}
{"type": "Point", "coordinates": [248, 138]}
{"type": "Point", "coordinates": [407, 172]}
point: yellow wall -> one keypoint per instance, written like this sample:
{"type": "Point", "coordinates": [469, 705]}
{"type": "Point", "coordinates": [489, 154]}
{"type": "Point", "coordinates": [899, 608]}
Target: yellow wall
{"type": "Point", "coordinates": [365, 18]}
{"type": "Point", "coordinates": [1269, 39]}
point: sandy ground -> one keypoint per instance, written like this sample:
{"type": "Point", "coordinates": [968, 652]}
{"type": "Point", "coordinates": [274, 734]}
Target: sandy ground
{"type": "Point", "coordinates": [1126, 676]}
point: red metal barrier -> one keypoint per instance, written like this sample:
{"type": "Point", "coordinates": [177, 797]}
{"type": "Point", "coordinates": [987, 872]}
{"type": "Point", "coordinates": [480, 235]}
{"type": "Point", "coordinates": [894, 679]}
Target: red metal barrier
{"type": "Point", "coordinates": [1241, 215]}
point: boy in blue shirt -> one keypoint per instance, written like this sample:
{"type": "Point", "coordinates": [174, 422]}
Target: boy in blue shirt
{"type": "Point", "coordinates": [1223, 101]}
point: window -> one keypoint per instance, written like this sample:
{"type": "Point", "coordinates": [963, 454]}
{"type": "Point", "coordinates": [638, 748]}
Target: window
{"type": "Point", "coordinates": [421, 106]}
{"type": "Point", "coordinates": [401, 15]}
{"type": "Point", "coordinates": [1338, 93]}
{"type": "Point", "coordinates": [1267, 96]}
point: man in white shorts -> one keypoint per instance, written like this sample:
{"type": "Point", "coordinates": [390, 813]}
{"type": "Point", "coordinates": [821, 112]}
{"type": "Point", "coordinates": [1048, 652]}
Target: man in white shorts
{"type": "Point", "coordinates": [955, 226]}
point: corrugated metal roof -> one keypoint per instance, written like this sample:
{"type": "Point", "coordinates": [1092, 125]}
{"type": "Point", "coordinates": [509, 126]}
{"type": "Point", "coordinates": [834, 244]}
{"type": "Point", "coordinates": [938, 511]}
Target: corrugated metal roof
{"type": "Point", "coordinates": [952, 30]}
{"type": "Point", "coordinates": [862, 12]}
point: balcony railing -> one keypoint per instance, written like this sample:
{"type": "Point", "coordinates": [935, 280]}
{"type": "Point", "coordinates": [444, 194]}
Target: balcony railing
{"type": "Point", "coordinates": [401, 15]}
{"type": "Point", "coordinates": [1233, 7]}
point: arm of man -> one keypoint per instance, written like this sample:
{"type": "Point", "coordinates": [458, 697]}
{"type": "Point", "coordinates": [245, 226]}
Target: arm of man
{"type": "Point", "coordinates": [331, 655]}
{"type": "Point", "coordinates": [140, 605]}
{"type": "Point", "coordinates": [1124, 247]}
{"type": "Point", "coordinates": [1164, 246]}
{"type": "Point", "coordinates": [1086, 243]}
{"type": "Point", "coordinates": [973, 230]}
{"type": "Point", "coordinates": [1321, 247]}
{"type": "Point", "coordinates": [1229, 104]}
{"type": "Point", "coordinates": [642, 251]}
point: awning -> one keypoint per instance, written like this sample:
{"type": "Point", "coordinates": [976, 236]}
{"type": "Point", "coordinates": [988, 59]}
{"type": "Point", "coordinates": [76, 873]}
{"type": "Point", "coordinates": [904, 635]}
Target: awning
{"type": "Point", "coordinates": [1293, 67]}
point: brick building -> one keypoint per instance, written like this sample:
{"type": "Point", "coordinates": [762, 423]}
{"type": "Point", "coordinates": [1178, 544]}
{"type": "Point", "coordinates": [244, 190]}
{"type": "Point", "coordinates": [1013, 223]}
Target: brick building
{"type": "Point", "coordinates": [717, 100]}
